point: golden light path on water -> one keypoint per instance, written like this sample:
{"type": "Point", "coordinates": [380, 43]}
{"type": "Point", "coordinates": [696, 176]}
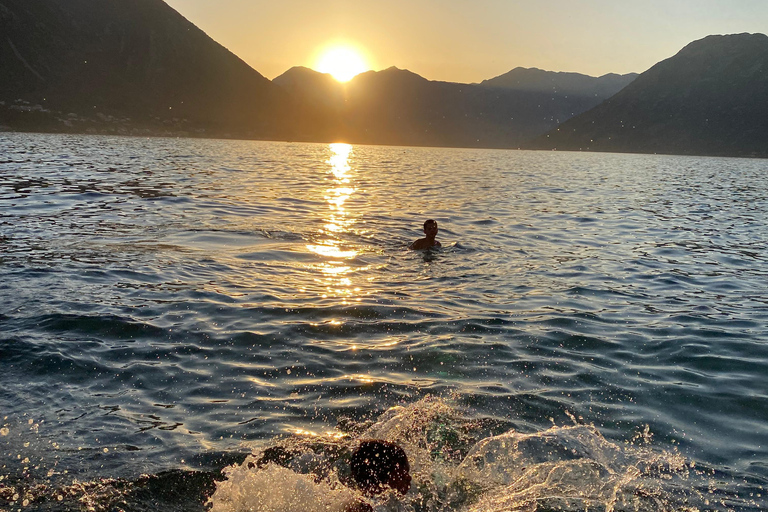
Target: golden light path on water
{"type": "Point", "coordinates": [338, 222]}
{"type": "Point", "coordinates": [335, 269]}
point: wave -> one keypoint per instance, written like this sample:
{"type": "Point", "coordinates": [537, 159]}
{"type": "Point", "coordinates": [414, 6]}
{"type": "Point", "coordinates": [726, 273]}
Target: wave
{"type": "Point", "coordinates": [458, 464]}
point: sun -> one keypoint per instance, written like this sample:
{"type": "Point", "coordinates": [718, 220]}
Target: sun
{"type": "Point", "coordinates": [342, 62]}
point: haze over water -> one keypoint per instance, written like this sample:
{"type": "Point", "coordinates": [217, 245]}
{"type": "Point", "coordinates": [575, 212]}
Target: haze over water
{"type": "Point", "coordinates": [164, 303]}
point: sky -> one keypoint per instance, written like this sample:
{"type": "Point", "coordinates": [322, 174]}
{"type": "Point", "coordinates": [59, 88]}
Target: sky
{"type": "Point", "coordinates": [469, 41]}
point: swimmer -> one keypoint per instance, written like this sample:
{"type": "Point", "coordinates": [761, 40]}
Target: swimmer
{"type": "Point", "coordinates": [430, 229]}
{"type": "Point", "coordinates": [377, 464]}
{"type": "Point", "coordinates": [374, 466]}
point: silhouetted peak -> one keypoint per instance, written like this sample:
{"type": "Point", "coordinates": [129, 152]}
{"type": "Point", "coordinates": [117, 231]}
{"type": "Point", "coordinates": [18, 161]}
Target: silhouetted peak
{"type": "Point", "coordinates": [302, 74]}
{"type": "Point", "coordinates": [726, 41]}
{"type": "Point", "coordinates": [723, 58]}
{"type": "Point", "coordinates": [138, 60]}
{"type": "Point", "coordinates": [300, 71]}
{"type": "Point", "coordinates": [560, 82]}
{"type": "Point", "coordinates": [708, 99]}
{"type": "Point", "coordinates": [725, 46]}
{"type": "Point", "coordinates": [526, 74]}
{"type": "Point", "coordinates": [520, 73]}
{"type": "Point", "coordinates": [395, 72]}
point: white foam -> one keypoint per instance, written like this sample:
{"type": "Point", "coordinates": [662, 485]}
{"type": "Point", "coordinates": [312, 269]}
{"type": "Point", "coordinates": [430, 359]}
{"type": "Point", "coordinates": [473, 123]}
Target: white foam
{"type": "Point", "coordinates": [277, 489]}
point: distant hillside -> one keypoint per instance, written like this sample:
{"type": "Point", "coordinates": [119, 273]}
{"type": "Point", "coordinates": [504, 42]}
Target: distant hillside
{"type": "Point", "coordinates": [709, 99]}
{"type": "Point", "coordinates": [567, 84]}
{"type": "Point", "coordinates": [123, 66]}
{"type": "Point", "coordinates": [397, 106]}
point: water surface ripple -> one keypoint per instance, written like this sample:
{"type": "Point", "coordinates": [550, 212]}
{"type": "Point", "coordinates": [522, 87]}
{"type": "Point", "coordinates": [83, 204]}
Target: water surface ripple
{"type": "Point", "coordinates": [164, 298]}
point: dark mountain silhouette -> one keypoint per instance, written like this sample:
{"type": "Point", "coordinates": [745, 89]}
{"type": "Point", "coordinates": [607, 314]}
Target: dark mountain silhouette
{"type": "Point", "coordinates": [311, 86]}
{"type": "Point", "coordinates": [113, 65]}
{"type": "Point", "coordinates": [116, 66]}
{"type": "Point", "coordinates": [140, 67]}
{"type": "Point", "coordinates": [709, 99]}
{"type": "Point", "coordinates": [399, 107]}
{"type": "Point", "coordinates": [567, 84]}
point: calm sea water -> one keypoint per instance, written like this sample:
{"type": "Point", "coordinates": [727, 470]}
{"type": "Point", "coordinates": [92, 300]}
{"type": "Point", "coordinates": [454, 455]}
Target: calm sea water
{"type": "Point", "coordinates": [592, 334]}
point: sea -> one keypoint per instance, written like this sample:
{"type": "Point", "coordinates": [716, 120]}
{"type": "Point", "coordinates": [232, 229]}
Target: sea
{"type": "Point", "coordinates": [592, 335]}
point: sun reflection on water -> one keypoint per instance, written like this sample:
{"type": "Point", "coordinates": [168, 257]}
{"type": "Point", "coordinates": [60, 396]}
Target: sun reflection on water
{"type": "Point", "coordinates": [329, 244]}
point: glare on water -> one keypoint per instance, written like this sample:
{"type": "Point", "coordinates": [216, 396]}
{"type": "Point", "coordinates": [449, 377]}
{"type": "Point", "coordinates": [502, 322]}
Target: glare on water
{"type": "Point", "coordinates": [337, 274]}
{"type": "Point", "coordinates": [168, 303]}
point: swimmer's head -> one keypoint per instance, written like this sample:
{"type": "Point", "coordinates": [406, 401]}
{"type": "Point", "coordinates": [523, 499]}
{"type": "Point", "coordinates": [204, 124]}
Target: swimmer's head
{"type": "Point", "coordinates": [377, 465]}
{"type": "Point", "coordinates": [430, 225]}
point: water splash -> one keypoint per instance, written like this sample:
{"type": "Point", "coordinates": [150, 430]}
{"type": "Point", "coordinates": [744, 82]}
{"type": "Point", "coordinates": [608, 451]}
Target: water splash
{"type": "Point", "coordinates": [456, 465]}
{"type": "Point", "coordinates": [277, 489]}
{"type": "Point", "coordinates": [459, 462]}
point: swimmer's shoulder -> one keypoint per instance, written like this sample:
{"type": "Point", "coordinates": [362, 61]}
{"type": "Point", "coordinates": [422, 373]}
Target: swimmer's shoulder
{"type": "Point", "coordinates": [418, 245]}
{"type": "Point", "coordinates": [421, 244]}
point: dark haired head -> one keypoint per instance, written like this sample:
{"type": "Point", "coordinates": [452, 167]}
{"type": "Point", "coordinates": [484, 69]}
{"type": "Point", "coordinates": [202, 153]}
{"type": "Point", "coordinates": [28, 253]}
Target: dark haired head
{"type": "Point", "coordinates": [378, 464]}
{"type": "Point", "coordinates": [429, 222]}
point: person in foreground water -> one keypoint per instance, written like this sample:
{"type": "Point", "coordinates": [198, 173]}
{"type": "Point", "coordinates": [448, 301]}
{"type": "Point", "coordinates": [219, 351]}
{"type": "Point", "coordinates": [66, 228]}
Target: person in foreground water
{"type": "Point", "coordinates": [377, 465]}
{"type": "Point", "coordinates": [430, 229]}
{"type": "Point", "coordinates": [374, 466]}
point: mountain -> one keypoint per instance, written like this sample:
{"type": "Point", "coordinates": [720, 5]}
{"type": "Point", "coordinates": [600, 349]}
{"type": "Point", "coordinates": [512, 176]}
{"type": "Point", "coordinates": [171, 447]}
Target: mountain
{"type": "Point", "coordinates": [567, 84]}
{"type": "Point", "coordinates": [139, 67]}
{"type": "Point", "coordinates": [113, 65]}
{"type": "Point", "coordinates": [709, 99]}
{"type": "Point", "coordinates": [312, 86]}
{"type": "Point", "coordinates": [399, 107]}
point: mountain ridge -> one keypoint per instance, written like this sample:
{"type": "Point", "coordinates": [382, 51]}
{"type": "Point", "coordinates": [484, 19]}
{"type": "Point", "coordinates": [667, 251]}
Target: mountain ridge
{"type": "Point", "coordinates": [561, 82]}
{"type": "Point", "coordinates": [138, 60]}
{"type": "Point", "coordinates": [399, 107]}
{"type": "Point", "coordinates": [140, 67]}
{"type": "Point", "coordinates": [708, 99]}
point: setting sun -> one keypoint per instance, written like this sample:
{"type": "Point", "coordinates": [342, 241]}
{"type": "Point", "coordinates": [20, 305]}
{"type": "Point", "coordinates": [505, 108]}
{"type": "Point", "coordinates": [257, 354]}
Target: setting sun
{"type": "Point", "coordinates": [341, 62]}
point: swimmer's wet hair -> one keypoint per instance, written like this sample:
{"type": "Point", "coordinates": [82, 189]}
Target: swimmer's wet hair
{"type": "Point", "coordinates": [428, 222]}
{"type": "Point", "coordinates": [375, 462]}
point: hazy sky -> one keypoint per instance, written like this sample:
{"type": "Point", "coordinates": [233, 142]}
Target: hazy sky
{"type": "Point", "coordinates": [471, 40]}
